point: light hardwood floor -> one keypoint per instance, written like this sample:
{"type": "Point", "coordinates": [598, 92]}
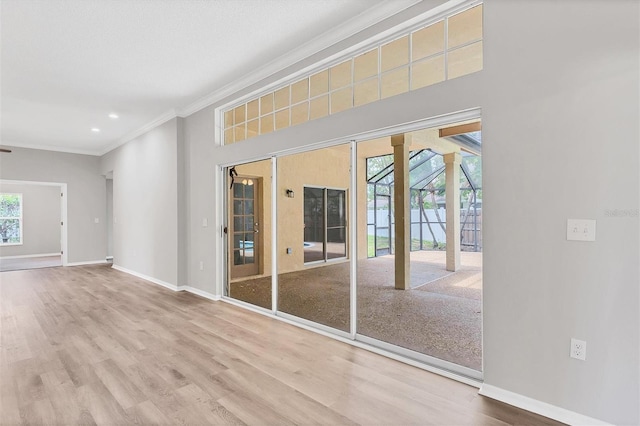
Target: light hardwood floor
{"type": "Point", "coordinates": [91, 345]}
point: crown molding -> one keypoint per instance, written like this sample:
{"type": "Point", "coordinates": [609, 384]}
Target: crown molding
{"type": "Point", "coordinates": [14, 144]}
{"type": "Point", "coordinates": [327, 39]}
{"type": "Point", "coordinates": [161, 119]}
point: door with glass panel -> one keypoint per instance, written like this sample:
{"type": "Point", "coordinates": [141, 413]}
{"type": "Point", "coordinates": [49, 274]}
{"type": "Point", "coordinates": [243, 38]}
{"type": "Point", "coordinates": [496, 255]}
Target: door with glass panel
{"type": "Point", "coordinates": [244, 232]}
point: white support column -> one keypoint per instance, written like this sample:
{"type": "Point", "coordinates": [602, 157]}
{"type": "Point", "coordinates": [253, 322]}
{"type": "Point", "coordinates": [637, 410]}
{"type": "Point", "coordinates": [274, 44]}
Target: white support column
{"type": "Point", "coordinates": [452, 192]}
{"type": "Point", "coordinates": [402, 212]}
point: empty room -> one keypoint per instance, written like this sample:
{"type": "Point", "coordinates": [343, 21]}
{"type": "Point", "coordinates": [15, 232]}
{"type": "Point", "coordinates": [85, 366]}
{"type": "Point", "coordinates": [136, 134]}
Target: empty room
{"type": "Point", "coordinates": [373, 212]}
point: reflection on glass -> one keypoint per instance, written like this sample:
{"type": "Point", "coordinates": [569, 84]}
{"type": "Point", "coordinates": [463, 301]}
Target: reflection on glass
{"type": "Point", "coordinates": [313, 225]}
{"type": "Point", "coordinates": [249, 233]}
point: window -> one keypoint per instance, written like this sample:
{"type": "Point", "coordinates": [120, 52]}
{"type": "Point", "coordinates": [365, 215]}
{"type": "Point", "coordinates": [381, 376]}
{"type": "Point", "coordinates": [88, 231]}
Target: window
{"type": "Point", "coordinates": [448, 48]}
{"type": "Point", "coordinates": [10, 219]}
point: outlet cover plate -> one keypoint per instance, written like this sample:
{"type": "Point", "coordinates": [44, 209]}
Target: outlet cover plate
{"type": "Point", "coordinates": [581, 230]}
{"type": "Point", "coordinates": [578, 349]}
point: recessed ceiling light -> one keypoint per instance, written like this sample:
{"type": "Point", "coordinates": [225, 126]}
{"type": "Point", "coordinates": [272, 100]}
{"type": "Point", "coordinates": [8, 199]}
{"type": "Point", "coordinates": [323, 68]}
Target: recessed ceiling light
{"type": "Point", "coordinates": [112, 115]}
{"type": "Point", "coordinates": [95, 129]}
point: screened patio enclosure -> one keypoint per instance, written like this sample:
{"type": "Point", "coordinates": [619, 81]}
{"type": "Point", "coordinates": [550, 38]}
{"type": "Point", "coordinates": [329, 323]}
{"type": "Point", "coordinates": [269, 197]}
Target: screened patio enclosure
{"type": "Point", "coordinates": [427, 198]}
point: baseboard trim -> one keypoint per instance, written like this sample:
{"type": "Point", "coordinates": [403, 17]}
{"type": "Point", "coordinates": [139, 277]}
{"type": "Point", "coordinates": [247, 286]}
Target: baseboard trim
{"type": "Point", "coordinates": [199, 292]}
{"type": "Point", "coordinates": [26, 256]}
{"type": "Point", "coordinates": [169, 286]}
{"type": "Point", "coordinates": [146, 278]}
{"type": "Point", "coordinates": [88, 262]}
{"type": "Point", "coordinates": [539, 407]}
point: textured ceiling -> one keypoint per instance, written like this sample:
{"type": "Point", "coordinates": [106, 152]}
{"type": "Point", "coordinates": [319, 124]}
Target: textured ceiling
{"type": "Point", "coordinates": [67, 64]}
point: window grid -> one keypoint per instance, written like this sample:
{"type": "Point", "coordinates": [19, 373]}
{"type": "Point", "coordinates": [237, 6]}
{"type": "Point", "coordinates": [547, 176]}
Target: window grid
{"type": "Point", "coordinates": [236, 119]}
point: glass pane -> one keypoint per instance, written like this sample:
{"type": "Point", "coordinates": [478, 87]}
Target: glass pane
{"type": "Point", "coordinates": [228, 118]}
{"type": "Point", "coordinates": [10, 231]}
{"type": "Point", "coordinates": [318, 292]}
{"type": "Point", "coordinates": [465, 60]}
{"type": "Point", "coordinates": [300, 91]}
{"type": "Point", "coordinates": [252, 128]}
{"type": "Point", "coordinates": [238, 223]}
{"type": "Point", "coordinates": [299, 113]}
{"type": "Point", "coordinates": [240, 132]}
{"type": "Point", "coordinates": [266, 124]}
{"type": "Point", "coordinates": [341, 100]}
{"type": "Point", "coordinates": [250, 254]}
{"type": "Point", "coordinates": [319, 107]}
{"type": "Point", "coordinates": [319, 83]}
{"type": "Point", "coordinates": [427, 41]}
{"type": "Point", "coordinates": [266, 104]}
{"type": "Point", "coordinates": [429, 310]}
{"type": "Point", "coordinates": [336, 243]}
{"type": "Point", "coordinates": [248, 207]}
{"type": "Point", "coordinates": [365, 92]}
{"type": "Point", "coordinates": [282, 98]}
{"type": "Point", "coordinates": [427, 72]}
{"type": "Point", "coordinates": [336, 208]}
{"type": "Point", "coordinates": [238, 258]}
{"type": "Point", "coordinates": [282, 119]}
{"type": "Point", "coordinates": [253, 109]}
{"type": "Point", "coordinates": [238, 206]}
{"type": "Point", "coordinates": [365, 65]}
{"type": "Point", "coordinates": [228, 136]}
{"type": "Point", "coordinates": [395, 54]}
{"type": "Point", "coordinates": [340, 75]}
{"type": "Point", "coordinates": [237, 241]}
{"type": "Point", "coordinates": [239, 114]}
{"type": "Point", "coordinates": [465, 27]}
{"type": "Point", "coordinates": [248, 188]}
{"type": "Point", "coordinates": [394, 83]}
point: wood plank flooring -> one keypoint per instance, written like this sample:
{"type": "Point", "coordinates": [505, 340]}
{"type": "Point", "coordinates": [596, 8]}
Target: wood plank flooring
{"type": "Point", "coordinates": [92, 345]}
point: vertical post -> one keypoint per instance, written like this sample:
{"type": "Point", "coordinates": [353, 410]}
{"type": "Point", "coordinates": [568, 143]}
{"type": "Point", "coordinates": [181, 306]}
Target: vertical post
{"type": "Point", "coordinates": [402, 212]}
{"type": "Point", "coordinates": [452, 192]}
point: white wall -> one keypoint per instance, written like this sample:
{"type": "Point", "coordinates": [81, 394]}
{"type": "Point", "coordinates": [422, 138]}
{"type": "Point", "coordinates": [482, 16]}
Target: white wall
{"type": "Point", "coordinates": [40, 220]}
{"type": "Point", "coordinates": [559, 98]}
{"type": "Point", "coordinates": [145, 203]}
{"type": "Point", "coordinates": [85, 194]}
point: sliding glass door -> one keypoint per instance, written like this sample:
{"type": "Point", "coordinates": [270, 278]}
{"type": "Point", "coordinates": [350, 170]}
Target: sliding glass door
{"type": "Point", "coordinates": [325, 224]}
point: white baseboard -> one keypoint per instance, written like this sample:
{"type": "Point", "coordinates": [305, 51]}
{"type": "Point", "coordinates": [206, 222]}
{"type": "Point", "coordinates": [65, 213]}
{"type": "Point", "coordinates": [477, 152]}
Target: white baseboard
{"type": "Point", "coordinates": [199, 292]}
{"type": "Point", "coordinates": [88, 262]}
{"type": "Point", "coordinates": [146, 278]}
{"type": "Point", "coordinates": [26, 256]}
{"type": "Point", "coordinates": [170, 286]}
{"type": "Point", "coordinates": [539, 407]}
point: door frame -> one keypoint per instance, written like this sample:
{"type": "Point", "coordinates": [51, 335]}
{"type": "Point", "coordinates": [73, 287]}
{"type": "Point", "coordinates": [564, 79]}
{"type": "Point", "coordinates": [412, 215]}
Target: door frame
{"type": "Point", "coordinates": [63, 211]}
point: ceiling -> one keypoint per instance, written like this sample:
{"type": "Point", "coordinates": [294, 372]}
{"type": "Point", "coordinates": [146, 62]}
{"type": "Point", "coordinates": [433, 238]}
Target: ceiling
{"type": "Point", "coordinates": [68, 64]}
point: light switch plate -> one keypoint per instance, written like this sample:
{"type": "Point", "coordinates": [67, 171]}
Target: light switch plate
{"type": "Point", "coordinates": [581, 230]}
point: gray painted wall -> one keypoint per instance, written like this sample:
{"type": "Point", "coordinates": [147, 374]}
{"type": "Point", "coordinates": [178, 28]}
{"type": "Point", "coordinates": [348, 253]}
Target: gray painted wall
{"type": "Point", "coordinates": [559, 98]}
{"type": "Point", "coordinates": [145, 203]}
{"type": "Point", "coordinates": [109, 219]}
{"type": "Point", "coordinates": [40, 220]}
{"type": "Point", "coordinates": [85, 194]}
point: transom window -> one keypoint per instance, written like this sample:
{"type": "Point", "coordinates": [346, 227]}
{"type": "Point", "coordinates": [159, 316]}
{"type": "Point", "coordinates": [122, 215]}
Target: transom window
{"type": "Point", "coordinates": [443, 50]}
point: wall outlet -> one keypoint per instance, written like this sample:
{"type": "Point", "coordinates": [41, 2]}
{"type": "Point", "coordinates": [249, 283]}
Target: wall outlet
{"type": "Point", "coordinates": [289, 250]}
{"type": "Point", "coordinates": [578, 349]}
{"type": "Point", "coordinates": [201, 265]}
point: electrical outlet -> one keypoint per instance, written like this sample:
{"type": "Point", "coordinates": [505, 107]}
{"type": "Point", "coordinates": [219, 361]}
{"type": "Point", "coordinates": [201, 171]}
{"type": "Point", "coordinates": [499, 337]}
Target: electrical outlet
{"type": "Point", "coordinates": [578, 349]}
{"type": "Point", "coordinates": [201, 265]}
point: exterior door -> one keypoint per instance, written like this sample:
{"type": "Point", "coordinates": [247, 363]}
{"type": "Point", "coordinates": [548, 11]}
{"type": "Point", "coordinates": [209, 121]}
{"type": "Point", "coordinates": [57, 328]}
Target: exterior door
{"type": "Point", "coordinates": [244, 236]}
